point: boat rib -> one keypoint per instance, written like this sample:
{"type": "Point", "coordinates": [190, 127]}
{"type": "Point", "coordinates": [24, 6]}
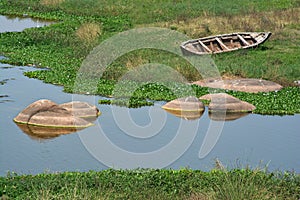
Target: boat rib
{"type": "Point", "coordinates": [222, 44]}
{"type": "Point", "coordinates": [204, 46]}
{"type": "Point", "coordinates": [243, 40]}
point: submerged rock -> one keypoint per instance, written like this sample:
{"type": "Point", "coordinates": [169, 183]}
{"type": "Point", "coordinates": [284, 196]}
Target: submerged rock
{"type": "Point", "coordinates": [244, 85]}
{"type": "Point", "coordinates": [46, 113]}
{"type": "Point", "coordinates": [225, 102]}
{"type": "Point", "coordinates": [186, 107]}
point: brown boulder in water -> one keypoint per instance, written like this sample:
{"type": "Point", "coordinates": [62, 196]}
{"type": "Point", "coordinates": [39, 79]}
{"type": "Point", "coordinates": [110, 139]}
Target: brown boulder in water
{"type": "Point", "coordinates": [48, 114]}
{"type": "Point", "coordinates": [186, 107]}
{"type": "Point", "coordinates": [81, 109]}
{"type": "Point", "coordinates": [225, 102]}
{"type": "Point", "coordinates": [58, 117]}
{"type": "Point", "coordinates": [34, 108]}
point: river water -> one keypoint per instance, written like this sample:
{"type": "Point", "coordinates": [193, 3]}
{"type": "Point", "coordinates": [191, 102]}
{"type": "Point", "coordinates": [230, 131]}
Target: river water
{"type": "Point", "coordinates": [132, 138]}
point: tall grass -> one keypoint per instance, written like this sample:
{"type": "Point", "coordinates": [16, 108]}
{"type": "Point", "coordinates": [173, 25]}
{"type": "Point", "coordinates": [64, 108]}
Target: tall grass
{"type": "Point", "coordinates": [88, 32]}
{"type": "Point", "coordinates": [208, 23]}
{"type": "Point", "coordinates": [243, 183]}
{"type": "Point", "coordinates": [236, 186]}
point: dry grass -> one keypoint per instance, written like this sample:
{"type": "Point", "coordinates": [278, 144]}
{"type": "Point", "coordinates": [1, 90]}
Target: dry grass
{"type": "Point", "coordinates": [209, 24]}
{"type": "Point", "coordinates": [200, 196]}
{"type": "Point", "coordinates": [51, 2]}
{"type": "Point", "coordinates": [137, 61]}
{"type": "Point", "coordinates": [229, 76]}
{"type": "Point", "coordinates": [88, 32]}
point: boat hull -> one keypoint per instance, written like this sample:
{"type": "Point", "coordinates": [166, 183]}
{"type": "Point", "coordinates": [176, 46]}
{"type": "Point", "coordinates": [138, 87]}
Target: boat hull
{"type": "Point", "coordinates": [224, 43]}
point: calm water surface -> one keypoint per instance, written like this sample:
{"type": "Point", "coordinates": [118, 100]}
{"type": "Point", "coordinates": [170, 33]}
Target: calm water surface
{"type": "Point", "coordinates": [251, 139]}
{"type": "Point", "coordinates": [9, 24]}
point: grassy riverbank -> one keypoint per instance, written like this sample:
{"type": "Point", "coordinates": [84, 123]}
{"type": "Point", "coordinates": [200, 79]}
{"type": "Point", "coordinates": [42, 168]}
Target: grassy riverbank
{"type": "Point", "coordinates": [82, 25]}
{"type": "Point", "coordinates": [153, 184]}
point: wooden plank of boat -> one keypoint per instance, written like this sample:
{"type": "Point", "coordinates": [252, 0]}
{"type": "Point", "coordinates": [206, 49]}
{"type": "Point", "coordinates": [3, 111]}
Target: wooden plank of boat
{"type": "Point", "coordinates": [224, 43]}
{"type": "Point", "coordinates": [204, 46]}
{"type": "Point", "coordinates": [243, 40]}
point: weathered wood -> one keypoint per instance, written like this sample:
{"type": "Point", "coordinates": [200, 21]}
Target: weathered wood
{"type": "Point", "coordinates": [243, 40]}
{"type": "Point", "coordinates": [204, 46]}
{"type": "Point", "coordinates": [224, 43]}
{"type": "Point", "coordinates": [211, 46]}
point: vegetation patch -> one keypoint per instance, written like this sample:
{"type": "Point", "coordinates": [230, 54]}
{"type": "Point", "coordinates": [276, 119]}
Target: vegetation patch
{"type": "Point", "coordinates": [88, 32]}
{"type": "Point", "coordinates": [282, 102]}
{"type": "Point", "coordinates": [153, 184]}
{"type": "Point", "coordinates": [130, 103]}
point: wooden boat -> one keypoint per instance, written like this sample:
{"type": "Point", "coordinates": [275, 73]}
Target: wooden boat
{"type": "Point", "coordinates": [224, 43]}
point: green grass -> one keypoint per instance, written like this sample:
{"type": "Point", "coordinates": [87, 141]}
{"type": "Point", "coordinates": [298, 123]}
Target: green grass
{"type": "Point", "coordinates": [274, 61]}
{"type": "Point", "coordinates": [153, 184]}
{"type": "Point", "coordinates": [143, 12]}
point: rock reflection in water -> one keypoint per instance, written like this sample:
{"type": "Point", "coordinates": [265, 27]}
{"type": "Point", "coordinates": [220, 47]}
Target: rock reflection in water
{"type": "Point", "coordinates": [44, 133]}
{"type": "Point", "coordinates": [226, 116]}
{"type": "Point", "coordinates": [188, 115]}
{"type": "Point", "coordinates": [216, 116]}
